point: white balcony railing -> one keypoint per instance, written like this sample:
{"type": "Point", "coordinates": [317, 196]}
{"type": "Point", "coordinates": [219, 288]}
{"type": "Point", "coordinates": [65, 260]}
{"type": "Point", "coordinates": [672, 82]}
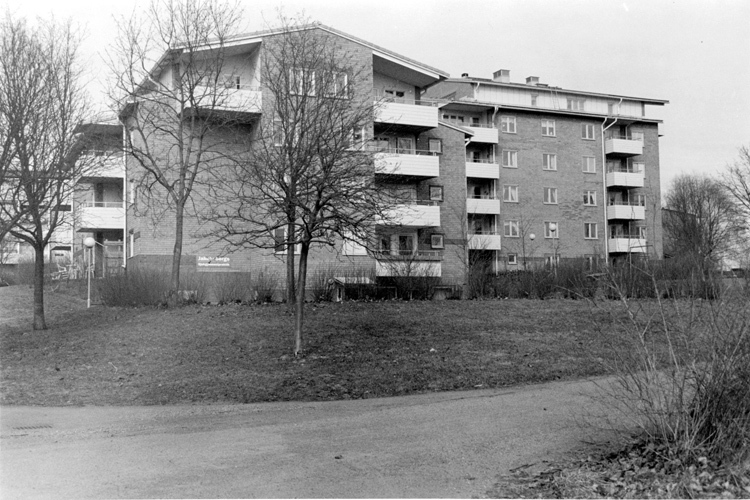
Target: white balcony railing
{"type": "Point", "coordinates": [412, 267]}
{"type": "Point", "coordinates": [625, 179]}
{"type": "Point", "coordinates": [623, 146]}
{"type": "Point", "coordinates": [422, 214]}
{"type": "Point", "coordinates": [485, 242]}
{"type": "Point", "coordinates": [106, 164]}
{"type": "Point", "coordinates": [94, 216]}
{"type": "Point", "coordinates": [626, 244]}
{"type": "Point", "coordinates": [483, 206]}
{"type": "Point", "coordinates": [626, 211]}
{"type": "Point", "coordinates": [245, 99]}
{"type": "Point", "coordinates": [484, 134]}
{"type": "Point", "coordinates": [422, 114]}
{"type": "Point", "coordinates": [416, 163]}
{"type": "Point", "coordinates": [483, 170]}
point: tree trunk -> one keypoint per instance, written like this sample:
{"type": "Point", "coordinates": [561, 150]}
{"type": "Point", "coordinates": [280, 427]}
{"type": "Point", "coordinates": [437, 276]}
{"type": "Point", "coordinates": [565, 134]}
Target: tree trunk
{"type": "Point", "coordinates": [39, 323]}
{"type": "Point", "coordinates": [290, 295]}
{"type": "Point", "coordinates": [174, 288]}
{"type": "Point", "coordinates": [299, 311]}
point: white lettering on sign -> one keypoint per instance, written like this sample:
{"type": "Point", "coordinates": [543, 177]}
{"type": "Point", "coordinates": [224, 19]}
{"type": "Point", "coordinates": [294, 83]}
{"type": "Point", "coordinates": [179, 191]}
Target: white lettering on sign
{"type": "Point", "coordinates": [213, 261]}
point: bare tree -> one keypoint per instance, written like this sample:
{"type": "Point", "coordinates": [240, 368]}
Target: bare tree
{"type": "Point", "coordinates": [41, 102]}
{"type": "Point", "coordinates": [701, 220]}
{"type": "Point", "coordinates": [308, 179]}
{"type": "Point", "coordinates": [736, 179]}
{"type": "Point", "coordinates": [177, 108]}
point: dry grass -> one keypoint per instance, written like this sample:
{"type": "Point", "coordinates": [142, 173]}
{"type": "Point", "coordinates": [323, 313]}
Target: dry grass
{"type": "Point", "coordinates": [241, 353]}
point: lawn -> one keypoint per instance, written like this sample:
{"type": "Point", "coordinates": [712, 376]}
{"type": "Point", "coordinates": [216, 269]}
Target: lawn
{"type": "Point", "coordinates": [241, 353]}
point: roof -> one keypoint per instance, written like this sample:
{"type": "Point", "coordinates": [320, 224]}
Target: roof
{"type": "Point", "coordinates": [543, 88]}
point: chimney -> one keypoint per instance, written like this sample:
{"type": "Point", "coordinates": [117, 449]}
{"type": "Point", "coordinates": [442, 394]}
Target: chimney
{"type": "Point", "coordinates": [464, 75]}
{"type": "Point", "coordinates": [501, 76]}
{"type": "Point", "coordinates": [532, 80]}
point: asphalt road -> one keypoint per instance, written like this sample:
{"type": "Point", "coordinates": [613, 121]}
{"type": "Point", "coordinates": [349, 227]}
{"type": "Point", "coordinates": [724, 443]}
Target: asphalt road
{"type": "Point", "coordinates": [433, 445]}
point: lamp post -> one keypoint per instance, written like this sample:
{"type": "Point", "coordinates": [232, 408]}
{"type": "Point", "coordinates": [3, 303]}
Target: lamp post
{"type": "Point", "coordinates": [89, 243]}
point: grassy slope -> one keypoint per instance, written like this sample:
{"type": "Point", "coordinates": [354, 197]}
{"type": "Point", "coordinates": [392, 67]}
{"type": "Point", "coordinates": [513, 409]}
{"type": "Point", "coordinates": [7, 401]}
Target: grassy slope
{"type": "Point", "coordinates": [352, 350]}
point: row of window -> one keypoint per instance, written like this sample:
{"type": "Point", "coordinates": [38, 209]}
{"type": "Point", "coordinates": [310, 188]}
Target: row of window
{"type": "Point", "coordinates": [510, 195]}
{"type": "Point", "coordinates": [549, 161]}
{"type": "Point", "coordinates": [511, 229]}
{"type": "Point", "coordinates": [508, 125]}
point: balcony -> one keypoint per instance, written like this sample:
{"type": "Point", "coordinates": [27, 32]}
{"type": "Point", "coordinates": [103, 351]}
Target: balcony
{"type": "Point", "coordinates": [628, 211]}
{"type": "Point", "coordinates": [485, 241]}
{"type": "Point", "coordinates": [627, 244]}
{"type": "Point", "coordinates": [483, 206]}
{"type": "Point", "coordinates": [100, 215]}
{"type": "Point", "coordinates": [412, 163]}
{"type": "Point", "coordinates": [101, 165]}
{"type": "Point", "coordinates": [483, 133]}
{"type": "Point", "coordinates": [417, 114]}
{"type": "Point", "coordinates": [245, 99]}
{"type": "Point", "coordinates": [419, 214]}
{"type": "Point", "coordinates": [624, 176]}
{"type": "Point", "coordinates": [486, 169]}
{"type": "Point", "coordinates": [623, 146]}
{"type": "Point", "coordinates": [409, 263]}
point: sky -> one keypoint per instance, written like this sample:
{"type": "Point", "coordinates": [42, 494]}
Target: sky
{"type": "Point", "coordinates": [693, 53]}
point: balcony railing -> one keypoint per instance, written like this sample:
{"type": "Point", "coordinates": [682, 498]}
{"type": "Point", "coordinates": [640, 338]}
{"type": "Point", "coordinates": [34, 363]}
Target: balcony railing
{"type": "Point", "coordinates": [387, 98]}
{"type": "Point", "coordinates": [640, 202]}
{"type": "Point", "coordinates": [628, 168]}
{"type": "Point", "coordinates": [408, 254]}
{"type": "Point", "coordinates": [102, 204]}
{"type": "Point", "coordinates": [480, 160]}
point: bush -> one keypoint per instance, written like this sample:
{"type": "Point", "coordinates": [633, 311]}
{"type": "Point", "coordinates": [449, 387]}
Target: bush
{"type": "Point", "coordinates": [264, 285]}
{"type": "Point", "coordinates": [226, 288]}
{"type": "Point", "coordinates": [682, 375]}
{"type": "Point", "coordinates": [137, 287]}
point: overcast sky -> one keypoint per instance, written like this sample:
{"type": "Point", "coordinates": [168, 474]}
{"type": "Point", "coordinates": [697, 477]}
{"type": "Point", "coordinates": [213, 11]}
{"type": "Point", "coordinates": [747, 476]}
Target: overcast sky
{"type": "Point", "coordinates": [696, 54]}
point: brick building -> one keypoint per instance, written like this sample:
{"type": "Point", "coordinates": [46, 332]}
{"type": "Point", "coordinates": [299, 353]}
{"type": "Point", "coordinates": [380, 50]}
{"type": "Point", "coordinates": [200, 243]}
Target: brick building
{"type": "Point", "coordinates": [517, 173]}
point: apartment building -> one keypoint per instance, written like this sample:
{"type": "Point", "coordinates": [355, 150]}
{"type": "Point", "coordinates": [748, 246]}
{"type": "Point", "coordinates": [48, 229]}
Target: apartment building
{"type": "Point", "coordinates": [518, 174]}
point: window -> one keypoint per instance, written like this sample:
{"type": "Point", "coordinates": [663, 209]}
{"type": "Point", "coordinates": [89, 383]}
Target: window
{"type": "Point", "coordinates": [510, 159]}
{"type": "Point", "coordinates": [510, 194]}
{"type": "Point", "coordinates": [551, 230]}
{"type": "Point", "coordinates": [551, 261]}
{"type": "Point", "coordinates": [589, 198]}
{"type": "Point", "coordinates": [301, 81]}
{"type": "Point", "coordinates": [384, 245]}
{"type": "Point", "coordinates": [405, 145]}
{"type": "Point", "coordinates": [533, 100]}
{"type": "Point", "coordinates": [639, 167]}
{"type": "Point", "coordinates": [641, 232]}
{"type": "Point", "coordinates": [357, 138]}
{"type": "Point", "coordinates": [435, 146]}
{"type": "Point", "coordinates": [437, 241]}
{"type": "Point", "coordinates": [575, 104]}
{"type": "Point", "coordinates": [508, 124]}
{"type": "Point", "coordinates": [550, 196]}
{"type": "Point", "coordinates": [590, 230]}
{"type": "Point", "coordinates": [512, 259]}
{"type": "Point", "coordinates": [279, 236]}
{"type": "Point", "coordinates": [458, 119]}
{"type": "Point", "coordinates": [338, 86]}
{"type": "Point", "coordinates": [232, 82]}
{"type": "Point", "coordinates": [510, 228]}
{"type": "Point", "coordinates": [589, 164]}
{"type": "Point", "coordinates": [587, 131]}
{"type": "Point", "coordinates": [436, 193]}
{"type": "Point", "coordinates": [391, 94]}
{"type": "Point", "coordinates": [637, 136]}
{"type": "Point", "coordinates": [405, 244]}
{"type": "Point", "coordinates": [548, 128]}
{"type": "Point", "coordinates": [549, 161]}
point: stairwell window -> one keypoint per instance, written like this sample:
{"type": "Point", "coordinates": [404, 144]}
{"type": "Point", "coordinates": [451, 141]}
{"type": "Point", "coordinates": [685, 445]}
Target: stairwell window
{"type": "Point", "coordinates": [510, 159]}
{"type": "Point", "coordinates": [590, 230]}
{"type": "Point", "coordinates": [549, 161]}
{"type": "Point", "coordinates": [301, 81]}
{"type": "Point", "coordinates": [510, 229]}
{"type": "Point", "coordinates": [510, 194]}
{"type": "Point", "coordinates": [550, 196]}
{"type": "Point", "coordinates": [589, 165]}
{"type": "Point", "coordinates": [587, 131]}
{"type": "Point", "coordinates": [280, 243]}
{"type": "Point", "coordinates": [551, 230]}
{"type": "Point", "coordinates": [589, 198]}
{"type": "Point", "coordinates": [508, 124]}
{"type": "Point", "coordinates": [548, 128]}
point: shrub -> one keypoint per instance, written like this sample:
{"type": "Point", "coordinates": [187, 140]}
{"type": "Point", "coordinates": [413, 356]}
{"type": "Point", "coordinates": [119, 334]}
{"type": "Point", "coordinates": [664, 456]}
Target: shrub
{"type": "Point", "coordinates": [226, 288]}
{"type": "Point", "coordinates": [682, 375]}
{"type": "Point", "coordinates": [264, 285]}
{"type": "Point", "coordinates": [137, 287]}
